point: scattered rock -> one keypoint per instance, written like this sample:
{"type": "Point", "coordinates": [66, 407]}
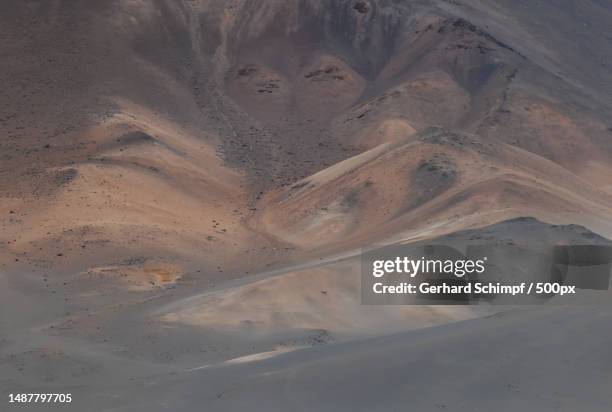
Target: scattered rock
{"type": "Point", "coordinates": [247, 70]}
{"type": "Point", "coordinates": [362, 7]}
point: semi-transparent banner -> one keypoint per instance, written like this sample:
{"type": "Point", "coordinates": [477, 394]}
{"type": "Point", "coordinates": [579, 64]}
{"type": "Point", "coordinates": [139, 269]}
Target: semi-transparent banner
{"type": "Point", "coordinates": [507, 274]}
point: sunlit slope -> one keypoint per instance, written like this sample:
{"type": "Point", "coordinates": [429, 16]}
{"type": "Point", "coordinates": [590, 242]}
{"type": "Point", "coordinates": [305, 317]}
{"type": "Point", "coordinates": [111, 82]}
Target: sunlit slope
{"type": "Point", "coordinates": [420, 182]}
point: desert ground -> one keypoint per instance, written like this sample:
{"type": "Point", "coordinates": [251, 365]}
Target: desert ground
{"type": "Point", "coordinates": [186, 187]}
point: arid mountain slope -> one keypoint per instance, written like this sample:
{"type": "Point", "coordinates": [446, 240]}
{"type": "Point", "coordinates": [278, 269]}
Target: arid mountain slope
{"type": "Point", "coordinates": [238, 99]}
{"type": "Point", "coordinates": [189, 182]}
{"type": "Point", "coordinates": [434, 176]}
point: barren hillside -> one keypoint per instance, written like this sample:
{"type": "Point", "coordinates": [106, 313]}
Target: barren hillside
{"type": "Point", "coordinates": [191, 181]}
